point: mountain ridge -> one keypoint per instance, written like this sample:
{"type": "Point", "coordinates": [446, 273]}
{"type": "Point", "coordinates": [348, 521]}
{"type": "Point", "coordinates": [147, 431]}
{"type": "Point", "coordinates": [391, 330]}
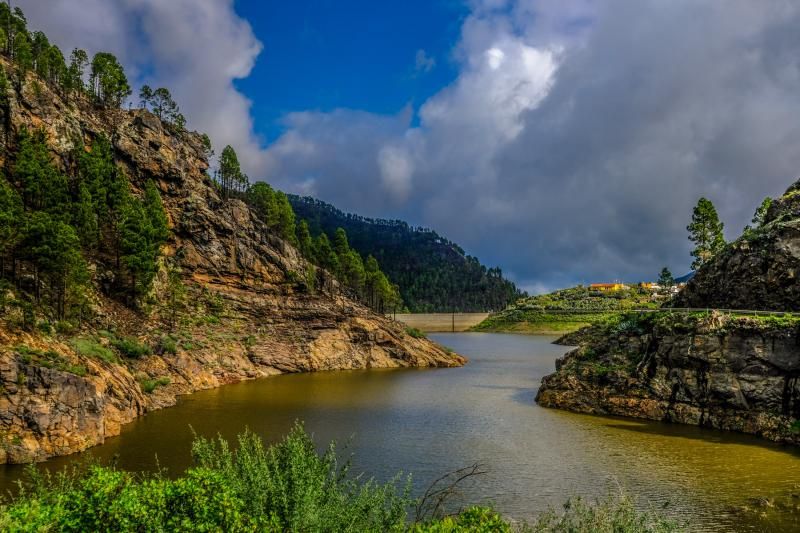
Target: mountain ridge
{"type": "Point", "coordinates": [433, 273]}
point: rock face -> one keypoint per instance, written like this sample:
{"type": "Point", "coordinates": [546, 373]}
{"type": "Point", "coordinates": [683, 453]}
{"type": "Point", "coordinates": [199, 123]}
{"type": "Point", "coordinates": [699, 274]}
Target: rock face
{"type": "Point", "coordinates": [249, 315]}
{"type": "Point", "coordinates": [727, 373]}
{"type": "Point", "coordinates": [759, 271]}
{"type": "Point", "coordinates": [737, 374]}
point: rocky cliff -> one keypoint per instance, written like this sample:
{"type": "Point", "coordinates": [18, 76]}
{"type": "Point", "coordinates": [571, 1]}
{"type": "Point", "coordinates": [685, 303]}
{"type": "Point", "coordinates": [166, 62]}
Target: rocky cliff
{"type": "Point", "coordinates": [721, 371]}
{"type": "Point", "coordinates": [759, 270]}
{"type": "Point", "coordinates": [250, 312]}
{"type": "Point", "coordinates": [713, 371]}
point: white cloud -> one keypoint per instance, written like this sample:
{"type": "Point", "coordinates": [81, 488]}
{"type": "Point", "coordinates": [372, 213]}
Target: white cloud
{"type": "Point", "coordinates": [577, 136]}
{"type": "Point", "coordinates": [396, 170]}
{"type": "Point", "coordinates": [495, 57]}
{"type": "Point", "coordinates": [423, 63]}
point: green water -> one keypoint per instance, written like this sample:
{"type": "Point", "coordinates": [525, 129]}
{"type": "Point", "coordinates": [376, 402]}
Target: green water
{"type": "Point", "coordinates": [431, 421]}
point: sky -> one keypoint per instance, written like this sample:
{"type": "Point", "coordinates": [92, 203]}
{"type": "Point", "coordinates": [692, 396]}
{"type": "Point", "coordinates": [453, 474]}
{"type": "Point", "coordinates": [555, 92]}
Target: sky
{"type": "Point", "coordinates": [565, 141]}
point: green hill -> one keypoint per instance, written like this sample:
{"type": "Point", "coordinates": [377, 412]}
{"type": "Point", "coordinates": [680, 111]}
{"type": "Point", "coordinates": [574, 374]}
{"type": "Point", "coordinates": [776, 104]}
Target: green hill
{"type": "Point", "coordinates": [433, 273]}
{"type": "Point", "coordinates": [566, 310]}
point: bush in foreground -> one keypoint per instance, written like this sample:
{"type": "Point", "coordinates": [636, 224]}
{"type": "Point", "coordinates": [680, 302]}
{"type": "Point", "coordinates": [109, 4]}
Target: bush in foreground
{"type": "Point", "coordinates": [284, 487]}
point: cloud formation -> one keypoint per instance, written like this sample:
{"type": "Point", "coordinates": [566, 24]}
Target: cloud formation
{"type": "Point", "coordinates": [571, 147]}
{"type": "Point", "coordinates": [423, 63]}
{"type": "Point", "coordinates": [195, 48]}
{"type": "Point", "coordinates": [578, 136]}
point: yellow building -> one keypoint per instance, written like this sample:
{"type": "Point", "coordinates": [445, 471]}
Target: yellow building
{"type": "Point", "coordinates": [607, 287]}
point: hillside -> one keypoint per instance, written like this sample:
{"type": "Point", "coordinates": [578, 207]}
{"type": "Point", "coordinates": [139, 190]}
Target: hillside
{"type": "Point", "coordinates": [758, 270]}
{"type": "Point", "coordinates": [129, 277]}
{"type": "Point", "coordinates": [566, 310]}
{"type": "Point", "coordinates": [708, 369]}
{"type": "Point", "coordinates": [433, 274]}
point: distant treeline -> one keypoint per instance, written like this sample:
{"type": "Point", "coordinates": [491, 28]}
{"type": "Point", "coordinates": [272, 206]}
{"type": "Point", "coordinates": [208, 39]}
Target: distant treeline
{"type": "Point", "coordinates": [433, 274]}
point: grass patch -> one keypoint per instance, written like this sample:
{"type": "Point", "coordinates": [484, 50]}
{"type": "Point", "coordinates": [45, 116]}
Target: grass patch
{"type": "Point", "coordinates": [149, 385]}
{"type": "Point", "coordinates": [167, 345]}
{"type": "Point", "coordinates": [550, 313]}
{"type": "Point", "coordinates": [415, 333]}
{"type": "Point", "coordinates": [131, 348]}
{"type": "Point", "coordinates": [49, 359]}
{"type": "Point", "coordinates": [89, 347]}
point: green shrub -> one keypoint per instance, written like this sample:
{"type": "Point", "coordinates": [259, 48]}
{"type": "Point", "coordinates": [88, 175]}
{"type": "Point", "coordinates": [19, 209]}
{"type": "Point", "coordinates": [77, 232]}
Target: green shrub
{"type": "Point", "coordinates": [473, 519]}
{"type": "Point", "coordinates": [168, 345]}
{"type": "Point", "coordinates": [130, 347]}
{"type": "Point", "coordinates": [149, 385]}
{"type": "Point", "coordinates": [285, 487]}
{"type": "Point", "coordinates": [415, 333]}
{"type": "Point", "coordinates": [49, 359]}
{"type": "Point", "coordinates": [89, 347]}
{"type": "Point", "coordinates": [614, 514]}
{"type": "Point", "coordinates": [65, 327]}
{"type": "Point", "coordinates": [299, 489]}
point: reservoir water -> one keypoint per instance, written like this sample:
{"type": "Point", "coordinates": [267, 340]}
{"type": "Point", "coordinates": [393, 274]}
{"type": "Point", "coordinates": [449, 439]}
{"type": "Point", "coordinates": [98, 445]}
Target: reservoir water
{"type": "Point", "coordinates": [428, 422]}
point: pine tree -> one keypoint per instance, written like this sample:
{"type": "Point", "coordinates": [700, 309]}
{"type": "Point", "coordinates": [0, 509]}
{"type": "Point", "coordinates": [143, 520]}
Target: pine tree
{"type": "Point", "coordinates": [705, 231]}
{"type": "Point", "coordinates": [137, 252]}
{"type": "Point", "coordinates": [85, 217]}
{"type": "Point", "coordinates": [44, 187]}
{"type": "Point", "coordinates": [305, 243]}
{"type": "Point", "coordinates": [108, 82]}
{"type": "Point", "coordinates": [145, 96]}
{"type": "Point", "coordinates": [230, 173]}
{"type": "Point", "coordinates": [665, 279]}
{"type": "Point", "coordinates": [340, 243]}
{"type": "Point", "coordinates": [325, 255]}
{"type": "Point", "coordinates": [285, 218]}
{"type": "Point", "coordinates": [176, 294]}
{"type": "Point", "coordinates": [11, 223]}
{"type": "Point", "coordinates": [73, 80]}
{"type": "Point", "coordinates": [261, 198]}
{"type": "Point", "coordinates": [53, 247]}
{"type": "Point", "coordinates": [155, 212]}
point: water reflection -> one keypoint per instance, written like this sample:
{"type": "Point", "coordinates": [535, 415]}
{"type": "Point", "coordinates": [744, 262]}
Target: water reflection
{"type": "Point", "coordinates": [432, 421]}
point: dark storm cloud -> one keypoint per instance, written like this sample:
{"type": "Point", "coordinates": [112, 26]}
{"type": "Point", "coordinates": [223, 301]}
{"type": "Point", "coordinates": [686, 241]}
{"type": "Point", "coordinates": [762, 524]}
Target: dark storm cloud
{"type": "Point", "coordinates": [652, 105]}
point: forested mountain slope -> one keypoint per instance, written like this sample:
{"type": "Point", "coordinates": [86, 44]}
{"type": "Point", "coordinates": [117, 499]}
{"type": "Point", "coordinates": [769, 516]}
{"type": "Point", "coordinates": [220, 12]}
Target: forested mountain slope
{"type": "Point", "coordinates": [433, 273]}
{"type": "Point", "coordinates": [128, 276]}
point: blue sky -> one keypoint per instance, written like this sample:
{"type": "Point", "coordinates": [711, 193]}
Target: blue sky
{"type": "Point", "coordinates": [359, 54]}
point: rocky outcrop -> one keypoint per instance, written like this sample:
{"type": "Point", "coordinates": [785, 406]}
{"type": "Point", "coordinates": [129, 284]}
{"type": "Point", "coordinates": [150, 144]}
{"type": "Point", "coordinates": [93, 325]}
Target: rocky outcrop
{"type": "Point", "coordinates": [737, 374]}
{"type": "Point", "coordinates": [759, 270]}
{"type": "Point", "coordinates": [251, 311]}
{"type": "Point", "coordinates": [720, 371]}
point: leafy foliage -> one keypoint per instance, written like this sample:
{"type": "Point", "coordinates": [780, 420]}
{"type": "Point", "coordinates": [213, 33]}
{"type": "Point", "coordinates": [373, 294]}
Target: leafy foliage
{"type": "Point", "coordinates": [285, 487]}
{"type": "Point", "coordinates": [616, 513]}
{"type": "Point", "coordinates": [432, 273]}
{"type": "Point", "coordinates": [52, 223]}
{"type": "Point", "coordinates": [108, 83]}
{"type": "Point", "coordinates": [89, 347]}
{"type": "Point", "coordinates": [132, 348]}
{"type": "Point", "coordinates": [665, 279]}
{"type": "Point", "coordinates": [161, 104]}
